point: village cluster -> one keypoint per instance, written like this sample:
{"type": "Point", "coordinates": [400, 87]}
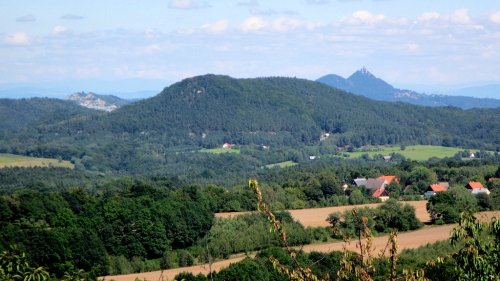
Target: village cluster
{"type": "Point", "coordinates": [378, 186]}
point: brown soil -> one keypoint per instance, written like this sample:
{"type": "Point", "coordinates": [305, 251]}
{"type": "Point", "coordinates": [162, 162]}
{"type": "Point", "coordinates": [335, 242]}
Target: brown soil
{"type": "Point", "coordinates": [316, 217]}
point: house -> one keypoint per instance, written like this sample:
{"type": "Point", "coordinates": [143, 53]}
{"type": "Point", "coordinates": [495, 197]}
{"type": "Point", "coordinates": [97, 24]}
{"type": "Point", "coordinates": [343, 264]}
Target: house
{"type": "Point", "coordinates": [381, 193]}
{"type": "Point", "coordinates": [374, 184]}
{"type": "Point", "coordinates": [312, 157]}
{"type": "Point", "coordinates": [493, 179]}
{"type": "Point", "coordinates": [433, 188]}
{"type": "Point", "coordinates": [359, 181]}
{"type": "Point", "coordinates": [340, 148]}
{"type": "Point", "coordinates": [476, 188]}
{"type": "Point", "coordinates": [228, 145]}
{"type": "Point", "coordinates": [265, 146]}
{"type": "Point", "coordinates": [471, 155]}
{"type": "Point", "coordinates": [389, 179]}
{"type": "Point", "coordinates": [387, 158]}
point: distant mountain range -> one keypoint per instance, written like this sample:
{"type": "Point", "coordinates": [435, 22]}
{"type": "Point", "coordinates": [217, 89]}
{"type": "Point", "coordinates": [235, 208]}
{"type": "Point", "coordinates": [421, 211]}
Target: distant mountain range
{"type": "Point", "coordinates": [126, 88]}
{"type": "Point", "coordinates": [364, 83]}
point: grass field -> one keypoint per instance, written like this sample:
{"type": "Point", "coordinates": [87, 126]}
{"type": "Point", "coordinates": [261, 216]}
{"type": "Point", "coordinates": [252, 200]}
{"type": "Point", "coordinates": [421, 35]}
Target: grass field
{"type": "Point", "coordinates": [415, 152]}
{"type": "Point", "coordinates": [11, 160]}
{"type": "Point", "coordinates": [220, 150]}
{"type": "Point", "coordinates": [282, 164]}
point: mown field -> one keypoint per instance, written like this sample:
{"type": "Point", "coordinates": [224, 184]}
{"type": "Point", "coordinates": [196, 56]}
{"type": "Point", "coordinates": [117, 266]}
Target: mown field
{"type": "Point", "coordinates": [415, 152]}
{"type": "Point", "coordinates": [281, 164]}
{"type": "Point", "coordinates": [220, 150]}
{"type": "Point", "coordinates": [11, 160]}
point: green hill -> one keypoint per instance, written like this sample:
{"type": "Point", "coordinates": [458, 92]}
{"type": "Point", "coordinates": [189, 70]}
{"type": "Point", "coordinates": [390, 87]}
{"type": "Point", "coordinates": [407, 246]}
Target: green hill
{"type": "Point", "coordinates": [207, 111]}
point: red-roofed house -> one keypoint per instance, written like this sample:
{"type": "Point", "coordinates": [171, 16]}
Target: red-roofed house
{"type": "Point", "coordinates": [476, 187]}
{"type": "Point", "coordinates": [389, 179]}
{"type": "Point", "coordinates": [474, 184]}
{"type": "Point", "coordinates": [228, 145]}
{"type": "Point", "coordinates": [381, 193]}
{"type": "Point", "coordinates": [433, 188]}
{"type": "Point", "coordinates": [494, 179]}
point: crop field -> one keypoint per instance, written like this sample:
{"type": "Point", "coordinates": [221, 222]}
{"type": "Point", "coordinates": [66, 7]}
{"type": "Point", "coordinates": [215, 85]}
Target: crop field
{"type": "Point", "coordinates": [415, 152]}
{"type": "Point", "coordinates": [11, 160]}
{"type": "Point", "coordinates": [220, 150]}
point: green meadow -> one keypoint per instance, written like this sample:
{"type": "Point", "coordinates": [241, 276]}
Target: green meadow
{"type": "Point", "coordinates": [11, 160]}
{"type": "Point", "coordinates": [220, 150]}
{"type": "Point", "coordinates": [415, 152]}
{"type": "Point", "coordinates": [282, 164]}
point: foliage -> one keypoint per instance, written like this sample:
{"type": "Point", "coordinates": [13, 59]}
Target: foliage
{"type": "Point", "coordinates": [14, 266]}
{"type": "Point", "coordinates": [479, 258]}
{"type": "Point", "coordinates": [448, 205]}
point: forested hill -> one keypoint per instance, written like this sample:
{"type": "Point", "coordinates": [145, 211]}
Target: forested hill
{"type": "Point", "coordinates": [20, 113]}
{"type": "Point", "coordinates": [207, 111]}
{"type": "Point", "coordinates": [364, 83]}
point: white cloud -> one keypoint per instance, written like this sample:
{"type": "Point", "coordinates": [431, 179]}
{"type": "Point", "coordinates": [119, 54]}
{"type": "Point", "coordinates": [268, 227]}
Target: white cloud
{"type": "Point", "coordinates": [286, 24]}
{"type": "Point", "coordinates": [362, 17]}
{"type": "Point", "coordinates": [60, 32]}
{"type": "Point", "coordinates": [18, 38]}
{"type": "Point", "coordinates": [72, 17]}
{"type": "Point", "coordinates": [495, 17]}
{"type": "Point", "coordinates": [26, 18]}
{"type": "Point", "coordinates": [217, 27]}
{"type": "Point", "coordinates": [412, 47]}
{"type": "Point", "coordinates": [318, 2]}
{"type": "Point", "coordinates": [428, 16]}
{"type": "Point", "coordinates": [252, 3]}
{"type": "Point", "coordinates": [151, 49]}
{"type": "Point", "coordinates": [186, 4]}
{"type": "Point", "coordinates": [268, 12]}
{"type": "Point", "coordinates": [254, 24]}
{"type": "Point", "coordinates": [459, 16]}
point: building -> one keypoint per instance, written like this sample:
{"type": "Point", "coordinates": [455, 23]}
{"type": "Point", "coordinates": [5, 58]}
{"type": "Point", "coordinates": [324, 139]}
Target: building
{"type": "Point", "coordinates": [433, 188]}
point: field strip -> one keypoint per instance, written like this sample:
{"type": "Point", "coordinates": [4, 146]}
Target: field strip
{"type": "Point", "coordinates": [317, 216]}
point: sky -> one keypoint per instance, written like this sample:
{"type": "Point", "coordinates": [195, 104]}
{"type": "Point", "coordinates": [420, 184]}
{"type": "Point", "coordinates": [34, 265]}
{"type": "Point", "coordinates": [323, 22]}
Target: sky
{"type": "Point", "coordinates": [399, 41]}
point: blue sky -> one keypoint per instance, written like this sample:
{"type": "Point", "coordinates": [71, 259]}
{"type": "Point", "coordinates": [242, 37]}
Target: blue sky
{"type": "Point", "coordinates": [400, 41]}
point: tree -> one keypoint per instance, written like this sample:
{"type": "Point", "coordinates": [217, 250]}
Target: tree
{"type": "Point", "coordinates": [14, 266]}
{"type": "Point", "coordinates": [356, 197]}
